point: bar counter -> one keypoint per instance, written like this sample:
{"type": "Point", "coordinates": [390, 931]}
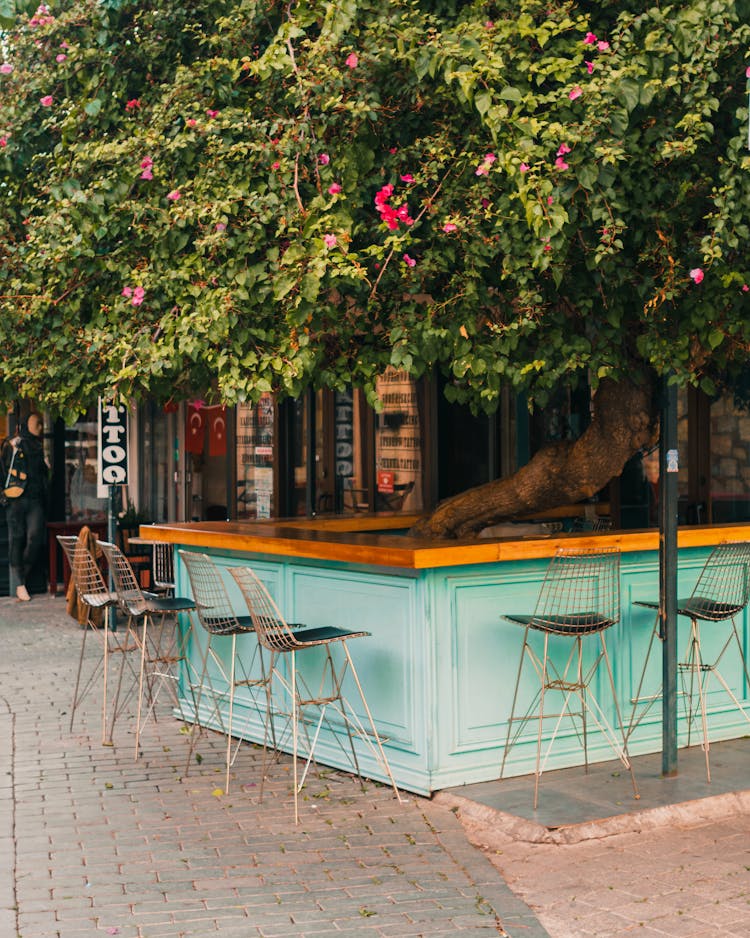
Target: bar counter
{"type": "Point", "coordinates": [371, 540]}
{"type": "Point", "coordinates": [440, 664]}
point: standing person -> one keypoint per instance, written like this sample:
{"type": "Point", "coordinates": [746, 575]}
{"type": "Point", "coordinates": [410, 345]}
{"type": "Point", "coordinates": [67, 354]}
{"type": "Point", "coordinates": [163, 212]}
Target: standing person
{"type": "Point", "coordinates": [26, 514]}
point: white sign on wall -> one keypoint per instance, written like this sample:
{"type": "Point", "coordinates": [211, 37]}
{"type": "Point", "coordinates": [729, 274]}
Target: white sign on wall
{"type": "Point", "coordinates": [112, 459]}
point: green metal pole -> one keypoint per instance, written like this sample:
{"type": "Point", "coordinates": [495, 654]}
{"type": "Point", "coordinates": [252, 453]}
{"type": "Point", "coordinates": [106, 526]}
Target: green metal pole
{"type": "Point", "coordinates": [669, 465]}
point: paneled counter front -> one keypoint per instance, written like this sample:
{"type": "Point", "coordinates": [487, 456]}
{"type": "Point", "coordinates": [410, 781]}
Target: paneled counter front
{"type": "Point", "coordinates": [440, 665]}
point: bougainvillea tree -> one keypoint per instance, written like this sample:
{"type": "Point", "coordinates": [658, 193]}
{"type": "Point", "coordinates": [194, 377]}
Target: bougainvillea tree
{"type": "Point", "coordinates": [237, 196]}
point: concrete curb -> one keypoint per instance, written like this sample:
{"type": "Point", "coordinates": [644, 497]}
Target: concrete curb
{"type": "Point", "coordinates": [489, 827]}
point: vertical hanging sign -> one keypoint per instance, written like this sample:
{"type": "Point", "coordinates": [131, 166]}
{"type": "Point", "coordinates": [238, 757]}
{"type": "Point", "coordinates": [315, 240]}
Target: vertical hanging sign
{"type": "Point", "coordinates": [113, 444]}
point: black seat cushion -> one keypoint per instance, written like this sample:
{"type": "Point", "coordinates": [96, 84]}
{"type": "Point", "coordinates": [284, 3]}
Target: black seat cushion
{"type": "Point", "coordinates": [579, 623]}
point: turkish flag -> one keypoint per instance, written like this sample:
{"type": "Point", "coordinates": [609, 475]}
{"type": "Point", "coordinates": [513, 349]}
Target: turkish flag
{"type": "Point", "coordinates": [195, 429]}
{"type": "Point", "coordinates": [217, 431]}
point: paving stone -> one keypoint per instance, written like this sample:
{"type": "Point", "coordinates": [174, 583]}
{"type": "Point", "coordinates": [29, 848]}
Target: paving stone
{"type": "Point", "coordinates": [164, 857]}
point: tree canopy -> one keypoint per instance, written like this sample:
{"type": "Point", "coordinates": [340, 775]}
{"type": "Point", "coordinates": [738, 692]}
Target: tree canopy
{"type": "Point", "coordinates": [240, 196]}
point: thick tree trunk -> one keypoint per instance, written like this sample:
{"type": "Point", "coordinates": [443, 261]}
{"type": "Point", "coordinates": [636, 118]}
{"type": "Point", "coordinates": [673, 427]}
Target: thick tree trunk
{"type": "Point", "coordinates": [623, 422]}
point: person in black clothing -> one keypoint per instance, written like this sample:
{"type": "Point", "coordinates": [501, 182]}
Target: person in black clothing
{"type": "Point", "coordinates": [26, 514]}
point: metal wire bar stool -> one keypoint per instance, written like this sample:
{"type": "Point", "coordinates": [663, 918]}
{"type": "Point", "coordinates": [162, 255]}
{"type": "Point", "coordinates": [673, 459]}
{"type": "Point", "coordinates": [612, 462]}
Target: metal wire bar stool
{"type": "Point", "coordinates": [720, 594]}
{"type": "Point", "coordinates": [94, 595]}
{"type": "Point", "coordinates": [217, 616]}
{"type": "Point", "coordinates": [579, 597]}
{"type": "Point", "coordinates": [275, 634]}
{"type": "Point", "coordinates": [161, 640]}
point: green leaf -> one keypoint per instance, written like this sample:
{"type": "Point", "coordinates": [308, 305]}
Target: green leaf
{"type": "Point", "coordinates": [93, 107]}
{"type": "Point", "coordinates": [628, 92]}
{"type": "Point", "coordinates": [509, 93]}
{"type": "Point", "coordinates": [7, 13]}
{"type": "Point", "coordinates": [482, 102]}
{"type": "Point", "coordinates": [715, 338]}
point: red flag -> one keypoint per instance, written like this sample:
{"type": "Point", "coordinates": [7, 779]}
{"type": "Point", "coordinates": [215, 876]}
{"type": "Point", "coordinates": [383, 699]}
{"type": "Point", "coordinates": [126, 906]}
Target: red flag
{"type": "Point", "coordinates": [195, 429]}
{"type": "Point", "coordinates": [217, 431]}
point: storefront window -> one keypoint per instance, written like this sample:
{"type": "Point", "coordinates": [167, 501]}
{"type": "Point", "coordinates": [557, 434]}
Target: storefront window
{"type": "Point", "coordinates": [81, 500]}
{"type": "Point", "coordinates": [255, 456]}
{"type": "Point", "coordinates": [157, 462]}
{"type": "Point", "coordinates": [398, 445]}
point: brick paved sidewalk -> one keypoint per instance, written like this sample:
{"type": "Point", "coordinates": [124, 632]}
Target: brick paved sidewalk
{"type": "Point", "coordinates": [93, 843]}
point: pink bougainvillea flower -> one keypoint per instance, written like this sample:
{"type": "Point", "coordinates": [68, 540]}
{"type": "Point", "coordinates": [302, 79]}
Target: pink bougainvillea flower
{"type": "Point", "coordinates": [393, 150]}
{"type": "Point", "coordinates": [352, 60]}
{"type": "Point", "coordinates": [138, 295]}
{"type": "Point", "coordinates": [561, 164]}
{"type": "Point", "coordinates": [696, 275]}
{"type": "Point", "coordinates": [210, 113]}
{"type": "Point", "coordinates": [324, 159]}
{"type": "Point", "coordinates": [547, 247]}
{"type": "Point", "coordinates": [220, 226]}
{"type": "Point", "coordinates": [602, 46]}
{"type": "Point", "coordinates": [485, 203]}
{"type": "Point", "coordinates": [407, 177]}
{"type": "Point", "coordinates": [6, 68]}
{"type": "Point", "coordinates": [524, 168]}
{"type": "Point", "coordinates": [449, 226]}
{"type": "Point", "coordinates": [147, 173]}
{"type": "Point", "coordinates": [489, 24]}
{"type": "Point", "coordinates": [133, 104]}
{"type": "Point", "coordinates": [745, 287]}
{"type": "Point", "coordinates": [382, 195]}
{"type": "Point", "coordinates": [275, 165]}
{"type": "Point", "coordinates": [563, 149]}
{"type": "Point", "coordinates": [575, 92]}
{"type": "Point", "coordinates": [329, 240]}
{"type": "Point", "coordinates": [589, 39]}
{"type": "Point", "coordinates": [409, 261]}
{"type": "Point", "coordinates": [41, 17]}
{"type": "Point", "coordinates": [334, 188]}
{"type": "Point", "coordinates": [127, 291]}
{"type": "Point", "coordinates": [174, 195]}
{"type": "Point", "coordinates": [146, 162]}
{"type": "Point", "coordinates": [589, 66]}
{"type": "Point", "coordinates": [191, 122]}
{"type": "Point", "coordinates": [3, 141]}
{"type": "Point", "coordinates": [47, 100]}
{"type": "Point", "coordinates": [64, 45]}
{"type": "Point", "coordinates": [747, 72]}
{"type": "Point", "coordinates": [484, 167]}
{"type": "Point", "coordinates": [550, 200]}
{"type": "Point", "coordinates": [60, 57]}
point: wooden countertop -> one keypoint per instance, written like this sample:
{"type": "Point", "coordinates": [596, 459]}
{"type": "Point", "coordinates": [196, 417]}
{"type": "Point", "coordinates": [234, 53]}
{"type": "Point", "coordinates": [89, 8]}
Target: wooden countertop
{"type": "Point", "coordinates": [371, 539]}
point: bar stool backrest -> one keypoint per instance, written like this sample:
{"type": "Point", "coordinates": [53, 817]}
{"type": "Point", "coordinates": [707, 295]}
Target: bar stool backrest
{"type": "Point", "coordinates": [86, 574]}
{"type": "Point", "coordinates": [214, 608]}
{"type": "Point", "coordinates": [163, 565]}
{"type": "Point", "coordinates": [129, 593]}
{"type": "Point", "coordinates": [722, 588]}
{"type": "Point", "coordinates": [270, 626]}
{"type": "Point", "coordinates": [581, 590]}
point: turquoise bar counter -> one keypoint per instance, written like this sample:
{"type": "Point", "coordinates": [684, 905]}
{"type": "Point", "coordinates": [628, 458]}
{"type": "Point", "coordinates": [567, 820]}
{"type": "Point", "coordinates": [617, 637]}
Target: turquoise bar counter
{"type": "Point", "coordinates": [440, 665]}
